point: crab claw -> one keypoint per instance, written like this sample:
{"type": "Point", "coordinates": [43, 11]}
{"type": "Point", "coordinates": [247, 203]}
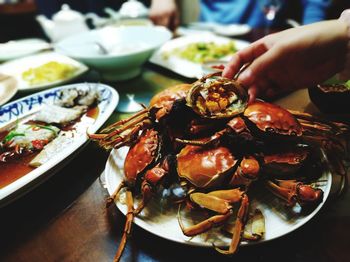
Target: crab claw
{"type": "Point", "coordinates": [306, 194]}
{"type": "Point", "coordinates": [295, 192]}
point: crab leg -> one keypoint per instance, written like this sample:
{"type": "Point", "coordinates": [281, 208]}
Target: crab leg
{"type": "Point", "coordinates": [128, 225]}
{"type": "Point", "coordinates": [318, 123]}
{"type": "Point", "coordinates": [220, 202]}
{"type": "Point", "coordinates": [124, 121]}
{"type": "Point", "coordinates": [212, 203]}
{"type": "Point", "coordinates": [239, 227]}
{"type": "Point", "coordinates": [111, 199]}
{"type": "Point", "coordinates": [254, 228]}
{"type": "Point", "coordinates": [205, 225]}
{"type": "Point", "coordinates": [203, 142]}
{"type": "Point", "coordinates": [118, 131]}
{"type": "Point", "coordinates": [151, 179]}
{"type": "Point", "coordinates": [295, 192]}
{"type": "Point", "coordinates": [122, 139]}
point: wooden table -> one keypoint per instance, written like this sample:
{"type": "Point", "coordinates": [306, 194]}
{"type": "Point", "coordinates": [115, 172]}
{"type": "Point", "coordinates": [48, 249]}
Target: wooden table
{"type": "Point", "coordinates": [65, 218]}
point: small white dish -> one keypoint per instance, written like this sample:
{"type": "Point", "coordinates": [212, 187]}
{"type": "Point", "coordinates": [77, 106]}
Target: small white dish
{"type": "Point", "coordinates": [19, 109]}
{"type": "Point", "coordinates": [128, 48]}
{"type": "Point", "coordinates": [185, 67]}
{"type": "Point", "coordinates": [15, 68]}
{"type": "Point", "coordinates": [232, 29]}
{"type": "Point", "coordinates": [221, 29]}
{"type": "Point", "coordinates": [279, 219]}
{"type": "Point", "coordinates": [23, 47]}
{"type": "Point", "coordinates": [8, 88]}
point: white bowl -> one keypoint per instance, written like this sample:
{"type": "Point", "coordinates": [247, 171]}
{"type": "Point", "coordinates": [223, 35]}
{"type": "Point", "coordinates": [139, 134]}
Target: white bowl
{"type": "Point", "coordinates": [128, 48]}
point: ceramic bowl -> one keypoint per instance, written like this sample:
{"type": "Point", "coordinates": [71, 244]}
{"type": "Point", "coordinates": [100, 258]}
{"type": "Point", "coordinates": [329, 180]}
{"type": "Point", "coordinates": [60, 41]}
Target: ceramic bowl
{"type": "Point", "coordinates": [331, 97]}
{"type": "Point", "coordinates": [118, 53]}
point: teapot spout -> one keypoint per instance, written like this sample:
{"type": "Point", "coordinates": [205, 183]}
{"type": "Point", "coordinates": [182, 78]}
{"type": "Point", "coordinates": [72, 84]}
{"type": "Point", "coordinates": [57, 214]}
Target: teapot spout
{"type": "Point", "coordinates": [46, 24]}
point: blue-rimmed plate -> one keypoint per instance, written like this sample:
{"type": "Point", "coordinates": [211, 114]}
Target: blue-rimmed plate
{"type": "Point", "coordinates": [24, 107]}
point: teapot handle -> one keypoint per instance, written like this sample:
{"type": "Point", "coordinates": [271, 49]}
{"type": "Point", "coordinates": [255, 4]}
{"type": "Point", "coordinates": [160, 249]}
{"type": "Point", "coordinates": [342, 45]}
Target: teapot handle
{"type": "Point", "coordinates": [97, 21]}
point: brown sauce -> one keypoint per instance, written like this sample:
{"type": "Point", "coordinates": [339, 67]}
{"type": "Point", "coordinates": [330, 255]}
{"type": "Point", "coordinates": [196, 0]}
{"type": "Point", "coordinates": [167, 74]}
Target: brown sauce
{"type": "Point", "coordinates": [16, 168]}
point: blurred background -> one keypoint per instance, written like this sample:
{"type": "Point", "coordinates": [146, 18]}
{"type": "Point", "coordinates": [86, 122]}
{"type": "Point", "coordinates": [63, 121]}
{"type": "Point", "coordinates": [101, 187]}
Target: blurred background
{"type": "Point", "coordinates": [17, 17]}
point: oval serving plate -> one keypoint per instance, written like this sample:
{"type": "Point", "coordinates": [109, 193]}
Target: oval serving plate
{"type": "Point", "coordinates": [8, 88]}
{"type": "Point", "coordinates": [15, 68]}
{"type": "Point", "coordinates": [24, 107]}
{"type": "Point", "coordinates": [279, 219]}
{"type": "Point", "coordinates": [165, 57]}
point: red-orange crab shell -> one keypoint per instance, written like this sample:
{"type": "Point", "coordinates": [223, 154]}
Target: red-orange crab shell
{"type": "Point", "coordinates": [204, 167]}
{"type": "Point", "coordinates": [165, 99]}
{"type": "Point", "coordinates": [273, 119]}
{"type": "Point", "coordinates": [287, 162]}
{"type": "Point", "coordinates": [141, 155]}
{"type": "Point", "coordinates": [214, 96]}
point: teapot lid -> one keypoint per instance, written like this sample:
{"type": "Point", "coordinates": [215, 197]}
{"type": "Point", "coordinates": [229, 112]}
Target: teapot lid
{"type": "Point", "coordinates": [133, 9]}
{"type": "Point", "coordinates": [66, 14]}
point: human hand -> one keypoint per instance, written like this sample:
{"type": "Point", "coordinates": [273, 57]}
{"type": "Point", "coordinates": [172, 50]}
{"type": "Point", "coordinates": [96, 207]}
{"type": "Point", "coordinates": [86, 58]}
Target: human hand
{"type": "Point", "coordinates": [291, 59]}
{"type": "Point", "coordinates": [165, 13]}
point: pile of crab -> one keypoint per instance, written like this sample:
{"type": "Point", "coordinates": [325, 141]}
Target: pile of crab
{"type": "Point", "coordinates": [207, 138]}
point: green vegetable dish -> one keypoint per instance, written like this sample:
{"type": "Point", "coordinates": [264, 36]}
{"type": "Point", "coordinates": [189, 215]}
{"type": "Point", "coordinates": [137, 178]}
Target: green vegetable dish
{"type": "Point", "coordinates": [203, 51]}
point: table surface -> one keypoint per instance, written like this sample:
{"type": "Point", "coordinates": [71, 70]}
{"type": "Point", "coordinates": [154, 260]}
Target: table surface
{"type": "Point", "coordinates": [65, 218]}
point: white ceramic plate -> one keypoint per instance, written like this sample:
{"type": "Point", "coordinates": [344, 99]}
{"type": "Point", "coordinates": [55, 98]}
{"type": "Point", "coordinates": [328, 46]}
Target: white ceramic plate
{"type": "Point", "coordinates": [221, 29]}
{"type": "Point", "coordinates": [8, 88]}
{"type": "Point", "coordinates": [184, 67]}
{"type": "Point", "coordinates": [18, 48]}
{"type": "Point", "coordinates": [279, 219]}
{"type": "Point", "coordinates": [10, 112]}
{"type": "Point", "coordinates": [16, 67]}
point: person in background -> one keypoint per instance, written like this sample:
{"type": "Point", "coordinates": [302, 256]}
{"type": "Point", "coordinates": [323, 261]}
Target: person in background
{"type": "Point", "coordinates": [294, 58]}
{"type": "Point", "coordinates": [166, 12]}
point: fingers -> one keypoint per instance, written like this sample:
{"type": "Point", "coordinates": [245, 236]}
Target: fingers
{"type": "Point", "coordinates": [244, 56]}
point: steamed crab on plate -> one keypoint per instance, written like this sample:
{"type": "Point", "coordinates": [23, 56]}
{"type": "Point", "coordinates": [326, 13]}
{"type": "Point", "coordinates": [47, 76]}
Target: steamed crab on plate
{"type": "Point", "coordinates": [219, 146]}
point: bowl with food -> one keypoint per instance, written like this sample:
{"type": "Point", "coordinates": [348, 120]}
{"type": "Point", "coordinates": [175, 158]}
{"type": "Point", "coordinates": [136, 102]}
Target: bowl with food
{"type": "Point", "coordinates": [332, 96]}
{"type": "Point", "coordinates": [117, 53]}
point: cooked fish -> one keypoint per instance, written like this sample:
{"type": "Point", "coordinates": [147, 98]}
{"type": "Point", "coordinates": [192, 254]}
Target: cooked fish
{"type": "Point", "coordinates": [59, 115]}
{"type": "Point", "coordinates": [30, 136]}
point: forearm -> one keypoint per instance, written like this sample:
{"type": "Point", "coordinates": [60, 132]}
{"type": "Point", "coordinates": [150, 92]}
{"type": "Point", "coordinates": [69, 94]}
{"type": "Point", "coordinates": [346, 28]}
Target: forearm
{"type": "Point", "coordinates": [345, 73]}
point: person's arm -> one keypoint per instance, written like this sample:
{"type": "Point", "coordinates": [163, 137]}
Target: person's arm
{"type": "Point", "coordinates": [292, 59]}
{"type": "Point", "coordinates": [165, 13]}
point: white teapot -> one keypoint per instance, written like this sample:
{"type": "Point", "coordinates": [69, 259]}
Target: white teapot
{"type": "Point", "coordinates": [64, 23]}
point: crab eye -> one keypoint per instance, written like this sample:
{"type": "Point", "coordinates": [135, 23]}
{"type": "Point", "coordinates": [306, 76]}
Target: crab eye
{"type": "Point", "coordinates": [217, 97]}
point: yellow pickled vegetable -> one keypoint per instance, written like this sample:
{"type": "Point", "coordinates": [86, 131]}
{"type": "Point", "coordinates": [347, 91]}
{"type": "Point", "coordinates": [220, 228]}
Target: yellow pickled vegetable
{"type": "Point", "coordinates": [203, 51]}
{"type": "Point", "coordinates": [48, 72]}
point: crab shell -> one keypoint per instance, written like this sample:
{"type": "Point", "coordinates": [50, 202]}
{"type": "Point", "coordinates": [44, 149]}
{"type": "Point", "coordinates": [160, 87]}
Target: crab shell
{"type": "Point", "coordinates": [165, 99]}
{"type": "Point", "coordinates": [273, 119]}
{"type": "Point", "coordinates": [204, 167]}
{"type": "Point", "coordinates": [214, 96]}
{"type": "Point", "coordinates": [141, 155]}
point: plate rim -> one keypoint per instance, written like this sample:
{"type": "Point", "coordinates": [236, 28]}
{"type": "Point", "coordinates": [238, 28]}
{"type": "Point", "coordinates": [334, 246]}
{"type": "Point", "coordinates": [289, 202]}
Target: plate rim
{"type": "Point", "coordinates": [8, 96]}
{"type": "Point", "coordinates": [139, 222]}
{"type": "Point", "coordinates": [16, 186]}
{"type": "Point", "coordinates": [45, 45]}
